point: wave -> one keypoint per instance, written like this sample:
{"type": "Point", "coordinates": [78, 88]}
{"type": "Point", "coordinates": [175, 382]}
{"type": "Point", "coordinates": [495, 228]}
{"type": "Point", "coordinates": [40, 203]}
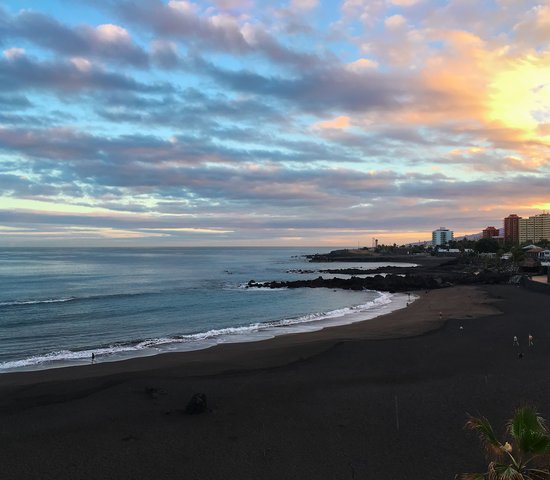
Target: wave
{"type": "Point", "coordinates": [16, 303]}
{"type": "Point", "coordinates": [201, 340]}
{"type": "Point", "coordinates": [36, 302]}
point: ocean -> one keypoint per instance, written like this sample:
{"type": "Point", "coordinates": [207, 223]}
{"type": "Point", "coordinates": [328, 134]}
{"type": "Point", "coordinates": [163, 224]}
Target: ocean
{"type": "Point", "coordinates": [60, 305]}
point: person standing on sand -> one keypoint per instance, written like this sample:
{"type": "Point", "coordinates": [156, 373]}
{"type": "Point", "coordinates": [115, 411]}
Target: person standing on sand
{"type": "Point", "coordinates": [516, 341]}
{"type": "Point", "coordinates": [93, 357]}
{"type": "Point", "coordinates": [531, 344]}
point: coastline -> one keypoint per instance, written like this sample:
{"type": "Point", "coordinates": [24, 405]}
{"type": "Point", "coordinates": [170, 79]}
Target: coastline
{"type": "Point", "coordinates": [386, 398]}
{"type": "Point", "coordinates": [383, 304]}
{"type": "Point", "coordinates": [421, 316]}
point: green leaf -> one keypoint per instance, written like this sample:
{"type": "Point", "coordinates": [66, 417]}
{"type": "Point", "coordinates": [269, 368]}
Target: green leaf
{"type": "Point", "coordinates": [528, 429]}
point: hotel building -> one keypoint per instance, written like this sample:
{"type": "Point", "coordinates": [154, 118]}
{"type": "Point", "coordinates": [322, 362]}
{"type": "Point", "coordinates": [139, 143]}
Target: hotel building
{"type": "Point", "coordinates": [534, 229]}
{"type": "Point", "coordinates": [441, 236]}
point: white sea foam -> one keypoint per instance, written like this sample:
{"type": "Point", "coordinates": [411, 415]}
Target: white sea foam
{"type": "Point", "coordinates": [12, 303]}
{"type": "Point", "coordinates": [381, 305]}
{"type": "Point", "coordinates": [36, 302]}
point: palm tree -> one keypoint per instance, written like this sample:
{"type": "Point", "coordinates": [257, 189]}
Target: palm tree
{"type": "Point", "coordinates": [518, 459]}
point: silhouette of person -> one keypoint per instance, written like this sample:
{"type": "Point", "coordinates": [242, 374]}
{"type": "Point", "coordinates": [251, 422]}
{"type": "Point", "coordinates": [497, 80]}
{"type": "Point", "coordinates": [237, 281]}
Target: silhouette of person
{"type": "Point", "coordinates": [516, 341]}
{"type": "Point", "coordinates": [93, 357]}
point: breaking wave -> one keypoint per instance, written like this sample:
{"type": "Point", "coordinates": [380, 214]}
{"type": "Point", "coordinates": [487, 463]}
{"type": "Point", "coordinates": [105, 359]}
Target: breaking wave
{"type": "Point", "coordinates": [384, 303]}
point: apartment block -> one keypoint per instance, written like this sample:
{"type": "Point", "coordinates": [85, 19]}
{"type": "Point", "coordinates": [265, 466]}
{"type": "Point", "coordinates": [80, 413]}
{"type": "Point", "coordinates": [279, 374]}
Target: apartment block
{"type": "Point", "coordinates": [511, 229]}
{"type": "Point", "coordinates": [534, 229]}
{"type": "Point", "coordinates": [441, 236]}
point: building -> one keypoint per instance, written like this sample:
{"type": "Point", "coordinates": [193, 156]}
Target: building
{"type": "Point", "coordinates": [441, 236]}
{"type": "Point", "coordinates": [535, 228]}
{"type": "Point", "coordinates": [490, 232]}
{"type": "Point", "coordinates": [511, 229]}
{"type": "Point", "coordinates": [533, 252]}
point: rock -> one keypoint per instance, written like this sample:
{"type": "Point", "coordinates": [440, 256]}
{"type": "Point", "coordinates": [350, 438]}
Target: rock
{"type": "Point", "coordinates": [153, 392]}
{"type": "Point", "coordinates": [197, 404]}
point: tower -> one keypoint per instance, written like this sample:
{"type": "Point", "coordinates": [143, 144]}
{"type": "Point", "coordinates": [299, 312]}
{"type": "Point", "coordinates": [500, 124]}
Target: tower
{"type": "Point", "coordinates": [511, 229]}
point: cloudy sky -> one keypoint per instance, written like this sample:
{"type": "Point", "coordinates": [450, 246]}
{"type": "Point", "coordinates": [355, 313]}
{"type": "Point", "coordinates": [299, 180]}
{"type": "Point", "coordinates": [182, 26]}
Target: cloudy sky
{"type": "Point", "coordinates": [252, 122]}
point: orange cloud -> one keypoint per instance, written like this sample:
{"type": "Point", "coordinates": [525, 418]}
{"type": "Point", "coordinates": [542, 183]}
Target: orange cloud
{"type": "Point", "coordinates": [337, 123]}
{"type": "Point", "coordinates": [361, 65]}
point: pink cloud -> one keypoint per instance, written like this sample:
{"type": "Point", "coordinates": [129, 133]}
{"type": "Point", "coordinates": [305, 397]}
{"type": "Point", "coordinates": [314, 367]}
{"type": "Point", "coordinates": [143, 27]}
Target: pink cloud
{"type": "Point", "coordinates": [13, 53]}
{"type": "Point", "coordinates": [395, 21]}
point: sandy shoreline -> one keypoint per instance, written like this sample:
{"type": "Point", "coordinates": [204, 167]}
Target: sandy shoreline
{"type": "Point", "coordinates": [419, 317]}
{"type": "Point", "coordinates": [383, 399]}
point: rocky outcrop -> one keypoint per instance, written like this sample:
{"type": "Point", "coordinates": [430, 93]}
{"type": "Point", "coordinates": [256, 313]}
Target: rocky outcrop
{"type": "Point", "coordinates": [391, 282]}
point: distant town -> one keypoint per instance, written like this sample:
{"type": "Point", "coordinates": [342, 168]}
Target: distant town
{"type": "Point", "coordinates": [515, 231]}
{"type": "Point", "coordinates": [526, 241]}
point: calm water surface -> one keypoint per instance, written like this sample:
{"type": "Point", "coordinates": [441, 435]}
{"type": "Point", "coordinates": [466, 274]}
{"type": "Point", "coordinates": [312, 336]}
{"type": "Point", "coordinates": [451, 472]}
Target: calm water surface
{"type": "Point", "coordinates": [57, 306]}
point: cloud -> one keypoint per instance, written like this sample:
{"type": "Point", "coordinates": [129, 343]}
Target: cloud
{"type": "Point", "coordinates": [234, 4]}
{"type": "Point", "coordinates": [9, 102]}
{"type": "Point", "coordinates": [20, 72]}
{"type": "Point", "coordinates": [534, 27]}
{"type": "Point", "coordinates": [395, 21]}
{"type": "Point", "coordinates": [219, 32]}
{"type": "Point", "coordinates": [338, 123]}
{"type": "Point", "coordinates": [14, 53]}
{"type": "Point", "coordinates": [361, 65]}
{"type": "Point", "coordinates": [318, 90]}
{"type": "Point", "coordinates": [303, 4]}
{"type": "Point", "coordinates": [165, 54]}
{"type": "Point", "coordinates": [404, 3]}
{"type": "Point", "coordinates": [107, 41]}
{"type": "Point", "coordinates": [184, 118]}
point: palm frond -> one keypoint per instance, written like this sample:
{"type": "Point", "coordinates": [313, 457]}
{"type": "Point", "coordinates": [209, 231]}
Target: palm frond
{"type": "Point", "coordinates": [501, 471]}
{"type": "Point", "coordinates": [472, 476]}
{"type": "Point", "coordinates": [537, 474]}
{"type": "Point", "coordinates": [529, 431]}
{"type": "Point", "coordinates": [526, 418]}
{"type": "Point", "coordinates": [535, 443]}
{"type": "Point", "coordinates": [486, 434]}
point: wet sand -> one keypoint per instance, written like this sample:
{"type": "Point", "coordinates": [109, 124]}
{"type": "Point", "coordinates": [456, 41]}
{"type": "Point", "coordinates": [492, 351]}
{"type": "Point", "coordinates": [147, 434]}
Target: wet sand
{"type": "Point", "coordinates": [381, 399]}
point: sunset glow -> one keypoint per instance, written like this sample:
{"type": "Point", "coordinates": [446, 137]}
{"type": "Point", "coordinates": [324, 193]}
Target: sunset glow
{"type": "Point", "coordinates": [213, 122]}
{"type": "Point", "coordinates": [520, 97]}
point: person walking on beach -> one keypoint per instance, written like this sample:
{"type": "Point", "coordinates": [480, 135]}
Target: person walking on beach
{"type": "Point", "coordinates": [93, 357]}
{"type": "Point", "coordinates": [531, 344]}
{"type": "Point", "coordinates": [516, 341]}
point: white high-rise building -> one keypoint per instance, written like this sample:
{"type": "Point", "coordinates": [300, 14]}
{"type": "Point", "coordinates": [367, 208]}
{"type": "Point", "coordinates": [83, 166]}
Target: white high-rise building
{"type": "Point", "coordinates": [441, 236]}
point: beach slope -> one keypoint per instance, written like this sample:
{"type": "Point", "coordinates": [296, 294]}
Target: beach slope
{"type": "Point", "coordinates": [385, 399]}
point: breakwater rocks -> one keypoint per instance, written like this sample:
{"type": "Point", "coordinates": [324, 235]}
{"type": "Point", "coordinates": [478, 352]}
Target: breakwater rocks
{"type": "Point", "coordinates": [391, 282]}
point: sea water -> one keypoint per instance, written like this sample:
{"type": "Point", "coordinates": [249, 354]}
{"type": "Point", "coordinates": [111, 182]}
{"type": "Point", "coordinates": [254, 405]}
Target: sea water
{"type": "Point", "coordinates": [57, 306]}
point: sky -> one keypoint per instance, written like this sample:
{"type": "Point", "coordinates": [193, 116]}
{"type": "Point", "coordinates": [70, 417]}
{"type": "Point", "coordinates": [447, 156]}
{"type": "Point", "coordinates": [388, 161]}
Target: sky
{"type": "Point", "coordinates": [248, 122]}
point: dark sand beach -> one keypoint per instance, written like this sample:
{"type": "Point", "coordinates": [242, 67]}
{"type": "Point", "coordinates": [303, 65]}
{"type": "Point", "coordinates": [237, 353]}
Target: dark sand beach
{"type": "Point", "coordinates": [381, 399]}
